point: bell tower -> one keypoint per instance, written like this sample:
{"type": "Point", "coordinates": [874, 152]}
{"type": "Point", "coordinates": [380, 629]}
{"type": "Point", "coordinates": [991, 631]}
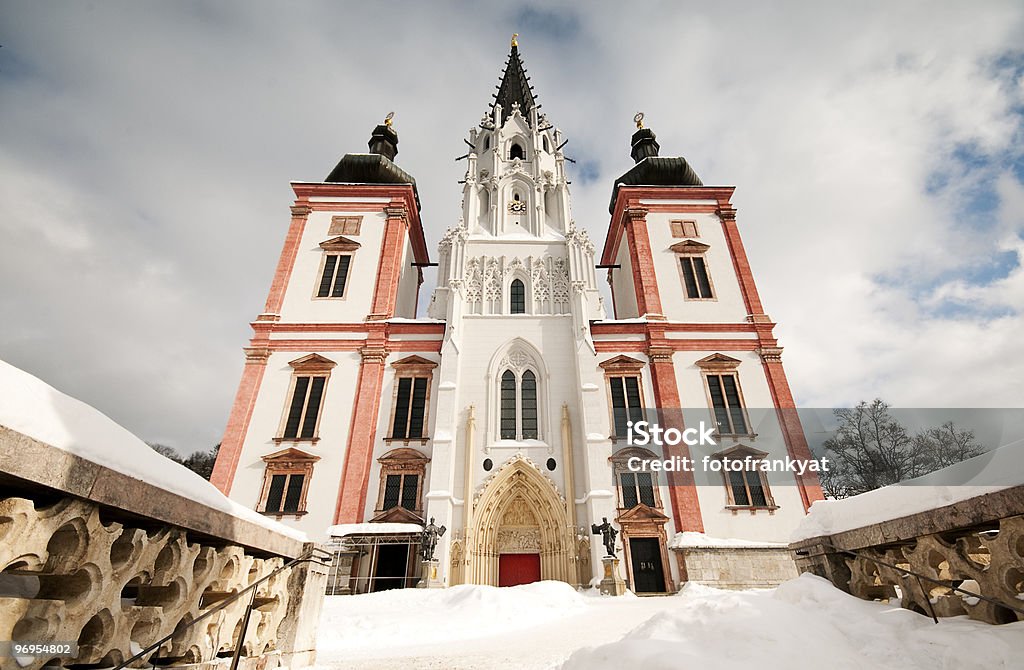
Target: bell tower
{"type": "Point", "coordinates": [515, 176]}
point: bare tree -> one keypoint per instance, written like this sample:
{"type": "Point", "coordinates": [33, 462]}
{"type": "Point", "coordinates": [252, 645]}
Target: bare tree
{"type": "Point", "coordinates": [199, 462]}
{"type": "Point", "coordinates": [870, 450]}
{"type": "Point", "coordinates": [947, 445]}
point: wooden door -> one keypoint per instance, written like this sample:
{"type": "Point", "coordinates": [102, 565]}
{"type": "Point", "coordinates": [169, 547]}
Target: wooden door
{"type": "Point", "coordinates": [645, 557]}
{"type": "Point", "coordinates": [515, 569]}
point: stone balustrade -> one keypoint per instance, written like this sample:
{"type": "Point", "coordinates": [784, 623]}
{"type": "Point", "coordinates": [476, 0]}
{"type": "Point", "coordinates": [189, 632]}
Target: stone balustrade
{"type": "Point", "coordinates": [976, 544]}
{"type": "Point", "coordinates": [91, 556]}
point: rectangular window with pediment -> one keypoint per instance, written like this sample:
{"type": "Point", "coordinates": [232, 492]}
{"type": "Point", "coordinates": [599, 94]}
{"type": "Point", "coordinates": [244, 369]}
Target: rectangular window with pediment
{"type": "Point", "coordinates": [638, 484]}
{"type": "Point", "coordinates": [745, 484]}
{"type": "Point", "coordinates": [725, 397]}
{"type": "Point", "coordinates": [335, 267]}
{"type": "Point", "coordinates": [402, 475]}
{"type": "Point", "coordinates": [693, 270]}
{"type": "Point", "coordinates": [625, 395]}
{"type": "Point", "coordinates": [286, 482]}
{"type": "Point", "coordinates": [411, 399]}
{"type": "Point", "coordinates": [309, 384]}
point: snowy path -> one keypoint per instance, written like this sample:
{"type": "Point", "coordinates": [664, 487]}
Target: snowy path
{"type": "Point", "coordinates": [805, 623]}
{"type": "Point", "coordinates": [544, 645]}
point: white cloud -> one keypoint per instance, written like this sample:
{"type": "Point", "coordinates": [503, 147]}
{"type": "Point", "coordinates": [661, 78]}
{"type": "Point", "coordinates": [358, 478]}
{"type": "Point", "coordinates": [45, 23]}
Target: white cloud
{"type": "Point", "coordinates": [149, 150]}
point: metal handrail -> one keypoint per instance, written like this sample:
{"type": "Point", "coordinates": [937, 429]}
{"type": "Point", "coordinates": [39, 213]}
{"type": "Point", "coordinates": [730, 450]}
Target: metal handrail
{"type": "Point", "coordinates": [946, 583]}
{"type": "Point", "coordinates": [305, 557]}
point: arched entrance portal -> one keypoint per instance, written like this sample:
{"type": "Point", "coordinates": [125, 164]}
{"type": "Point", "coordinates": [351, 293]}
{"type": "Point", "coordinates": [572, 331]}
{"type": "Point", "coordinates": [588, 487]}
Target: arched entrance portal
{"type": "Point", "coordinates": [521, 532]}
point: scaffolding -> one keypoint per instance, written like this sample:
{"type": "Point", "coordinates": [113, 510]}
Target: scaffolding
{"type": "Point", "coordinates": [350, 552]}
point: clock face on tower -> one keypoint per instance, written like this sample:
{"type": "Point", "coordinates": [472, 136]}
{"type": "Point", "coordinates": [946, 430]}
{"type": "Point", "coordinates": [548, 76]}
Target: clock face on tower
{"type": "Point", "coordinates": [517, 207]}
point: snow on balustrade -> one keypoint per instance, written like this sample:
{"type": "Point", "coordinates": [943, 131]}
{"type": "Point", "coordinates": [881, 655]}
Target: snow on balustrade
{"type": "Point", "coordinates": [110, 547]}
{"type": "Point", "coordinates": [961, 527]}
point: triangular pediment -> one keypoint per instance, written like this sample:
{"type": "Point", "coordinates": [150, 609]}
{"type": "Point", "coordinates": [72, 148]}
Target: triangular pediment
{"type": "Point", "coordinates": [312, 363]}
{"type": "Point", "coordinates": [397, 515]}
{"type": "Point", "coordinates": [739, 452]}
{"type": "Point", "coordinates": [622, 363]}
{"type": "Point", "coordinates": [339, 243]}
{"type": "Point", "coordinates": [414, 361]}
{"type": "Point", "coordinates": [642, 512]}
{"type": "Point", "coordinates": [404, 455]}
{"type": "Point", "coordinates": [718, 362]}
{"type": "Point", "coordinates": [690, 247]}
{"type": "Point", "coordinates": [290, 454]}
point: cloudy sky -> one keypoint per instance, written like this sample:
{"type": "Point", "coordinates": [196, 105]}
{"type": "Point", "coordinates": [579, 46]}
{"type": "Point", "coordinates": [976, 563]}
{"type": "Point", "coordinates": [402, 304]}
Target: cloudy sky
{"type": "Point", "coordinates": [146, 151]}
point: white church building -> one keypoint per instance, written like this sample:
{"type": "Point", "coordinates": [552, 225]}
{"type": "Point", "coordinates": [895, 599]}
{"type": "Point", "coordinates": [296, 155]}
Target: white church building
{"type": "Point", "coordinates": [504, 414]}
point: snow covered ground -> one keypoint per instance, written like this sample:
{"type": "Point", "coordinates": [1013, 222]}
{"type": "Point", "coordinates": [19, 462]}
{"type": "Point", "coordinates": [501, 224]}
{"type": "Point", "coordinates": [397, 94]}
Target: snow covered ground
{"type": "Point", "coordinates": [805, 623]}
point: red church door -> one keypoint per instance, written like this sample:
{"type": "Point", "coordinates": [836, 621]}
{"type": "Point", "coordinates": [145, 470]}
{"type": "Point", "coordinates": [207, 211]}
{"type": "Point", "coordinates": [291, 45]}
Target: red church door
{"type": "Point", "coordinates": [515, 569]}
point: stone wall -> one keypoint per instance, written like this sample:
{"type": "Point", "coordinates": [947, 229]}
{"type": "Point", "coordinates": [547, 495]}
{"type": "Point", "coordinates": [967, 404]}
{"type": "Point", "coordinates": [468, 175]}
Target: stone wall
{"type": "Point", "coordinates": [976, 544]}
{"type": "Point", "coordinates": [115, 578]}
{"type": "Point", "coordinates": [736, 567]}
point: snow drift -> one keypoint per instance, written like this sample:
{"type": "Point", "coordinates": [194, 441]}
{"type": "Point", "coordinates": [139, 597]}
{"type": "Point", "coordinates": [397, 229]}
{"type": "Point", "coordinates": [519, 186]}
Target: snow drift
{"type": "Point", "coordinates": [804, 623]}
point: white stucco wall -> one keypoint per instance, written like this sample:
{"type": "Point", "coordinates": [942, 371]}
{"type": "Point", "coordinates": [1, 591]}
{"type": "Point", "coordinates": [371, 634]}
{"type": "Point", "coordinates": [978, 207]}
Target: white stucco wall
{"type": "Point", "coordinates": [728, 303]}
{"type": "Point", "coordinates": [300, 304]}
{"type": "Point", "coordinates": [623, 291]}
{"type": "Point", "coordinates": [335, 420]}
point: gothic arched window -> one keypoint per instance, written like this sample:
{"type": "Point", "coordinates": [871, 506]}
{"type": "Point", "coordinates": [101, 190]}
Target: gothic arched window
{"type": "Point", "coordinates": [516, 152]}
{"type": "Point", "coordinates": [519, 418]}
{"type": "Point", "coordinates": [508, 405]}
{"type": "Point", "coordinates": [529, 405]}
{"type": "Point", "coordinates": [517, 297]}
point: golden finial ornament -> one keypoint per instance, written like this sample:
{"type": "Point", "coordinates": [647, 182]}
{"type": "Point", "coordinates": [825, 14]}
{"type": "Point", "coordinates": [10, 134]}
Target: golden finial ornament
{"type": "Point", "coordinates": [638, 119]}
{"type": "Point", "coordinates": [389, 119]}
{"type": "Point", "coordinates": [515, 39]}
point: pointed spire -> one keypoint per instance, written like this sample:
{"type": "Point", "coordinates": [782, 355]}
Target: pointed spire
{"type": "Point", "coordinates": [515, 85]}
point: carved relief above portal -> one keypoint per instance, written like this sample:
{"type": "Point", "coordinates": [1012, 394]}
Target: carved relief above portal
{"type": "Point", "coordinates": [518, 541]}
{"type": "Point", "coordinates": [519, 514]}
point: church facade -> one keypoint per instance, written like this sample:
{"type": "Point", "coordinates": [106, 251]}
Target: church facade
{"type": "Point", "coordinates": [504, 413]}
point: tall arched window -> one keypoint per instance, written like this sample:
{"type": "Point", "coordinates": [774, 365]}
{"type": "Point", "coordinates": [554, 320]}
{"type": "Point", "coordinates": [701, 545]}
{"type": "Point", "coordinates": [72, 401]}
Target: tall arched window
{"type": "Point", "coordinates": [517, 297]}
{"type": "Point", "coordinates": [516, 152]}
{"type": "Point", "coordinates": [529, 407]}
{"type": "Point", "coordinates": [508, 405]}
{"type": "Point", "coordinates": [519, 419]}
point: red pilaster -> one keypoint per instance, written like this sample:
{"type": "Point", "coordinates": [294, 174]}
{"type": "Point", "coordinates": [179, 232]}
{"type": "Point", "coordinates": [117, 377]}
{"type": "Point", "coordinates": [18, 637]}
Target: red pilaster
{"type": "Point", "coordinates": [789, 420]}
{"type": "Point", "coordinates": [645, 282]}
{"type": "Point", "coordinates": [385, 293]}
{"type": "Point", "coordinates": [751, 300]}
{"type": "Point", "coordinates": [238, 422]}
{"type": "Point", "coordinates": [682, 487]}
{"type": "Point", "coordinates": [287, 261]}
{"type": "Point", "coordinates": [355, 475]}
